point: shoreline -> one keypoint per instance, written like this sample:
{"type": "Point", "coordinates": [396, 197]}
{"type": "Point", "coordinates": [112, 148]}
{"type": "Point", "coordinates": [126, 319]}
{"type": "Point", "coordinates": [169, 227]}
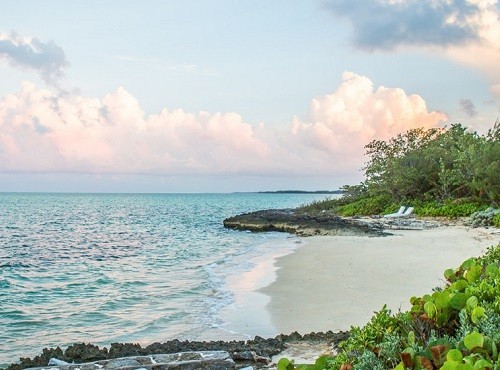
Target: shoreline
{"type": "Point", "coordinates": [330, 283]}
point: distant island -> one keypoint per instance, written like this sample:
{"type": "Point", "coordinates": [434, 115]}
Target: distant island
{"type": "Point", "coordinates": [302, 192]}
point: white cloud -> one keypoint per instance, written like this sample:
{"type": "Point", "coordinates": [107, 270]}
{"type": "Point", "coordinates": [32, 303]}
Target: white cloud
{"type": "Point", "coordinates": [46, 58]}
{"type": "Point", "coordinates": [44, 132]}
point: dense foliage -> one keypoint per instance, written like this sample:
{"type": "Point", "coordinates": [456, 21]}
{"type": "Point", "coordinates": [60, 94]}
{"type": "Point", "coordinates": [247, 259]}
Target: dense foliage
{"type": "Point", "coordinates": [453, 328]}
{"type": "Point", "coordinates": [440, 172]}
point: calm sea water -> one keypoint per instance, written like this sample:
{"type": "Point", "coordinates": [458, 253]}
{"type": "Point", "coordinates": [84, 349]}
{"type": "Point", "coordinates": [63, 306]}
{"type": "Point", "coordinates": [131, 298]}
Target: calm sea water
{"type": "Point", "coordinates": [105, 268]}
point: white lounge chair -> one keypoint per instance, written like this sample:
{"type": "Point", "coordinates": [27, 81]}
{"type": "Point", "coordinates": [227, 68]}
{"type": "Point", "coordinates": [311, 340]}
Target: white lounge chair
{"type": "Point", "coordinates": [408, 212]}
{"type": "Point", "coordinates": [397, 214]}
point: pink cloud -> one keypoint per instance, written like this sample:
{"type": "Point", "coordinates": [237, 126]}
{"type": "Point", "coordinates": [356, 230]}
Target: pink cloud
{"type": "Point", "coordinates": [44, 132]}
{"type": "Point", "coordinates": [355, 114]}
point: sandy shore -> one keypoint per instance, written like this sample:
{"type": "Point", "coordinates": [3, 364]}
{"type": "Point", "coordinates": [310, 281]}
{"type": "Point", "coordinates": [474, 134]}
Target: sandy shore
{"type": "Point", "coordinates": [333, 282]}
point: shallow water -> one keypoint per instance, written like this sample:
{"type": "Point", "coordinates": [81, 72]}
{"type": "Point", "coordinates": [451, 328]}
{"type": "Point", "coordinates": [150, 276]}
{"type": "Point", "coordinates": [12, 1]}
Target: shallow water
{"type": "Point", "coordinates": [105, 268]}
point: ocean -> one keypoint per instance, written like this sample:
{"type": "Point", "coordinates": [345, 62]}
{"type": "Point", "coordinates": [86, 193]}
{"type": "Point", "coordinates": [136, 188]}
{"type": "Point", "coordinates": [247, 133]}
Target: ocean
{"type": "Point", "coordinates": [103, 268]}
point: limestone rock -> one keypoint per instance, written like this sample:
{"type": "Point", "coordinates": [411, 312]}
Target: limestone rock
{"type": "Point", "coordinates": [205, 360]}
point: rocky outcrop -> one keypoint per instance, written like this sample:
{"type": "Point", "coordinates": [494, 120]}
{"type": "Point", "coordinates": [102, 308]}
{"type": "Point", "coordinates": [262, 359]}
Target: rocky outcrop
{"type": "Point", "coordinates": [303, 224]}
{"type": "Point", "coordinates": [205, 360]}
{"type": "Point", "coordinates": [256, 353]}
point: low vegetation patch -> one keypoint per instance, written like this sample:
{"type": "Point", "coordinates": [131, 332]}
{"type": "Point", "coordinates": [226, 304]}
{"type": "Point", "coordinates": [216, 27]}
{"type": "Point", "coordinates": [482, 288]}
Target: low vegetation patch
{"type": "Point", "coordinates": [488, 217]}
{"type": "Point", "coordinates": [456, 327]}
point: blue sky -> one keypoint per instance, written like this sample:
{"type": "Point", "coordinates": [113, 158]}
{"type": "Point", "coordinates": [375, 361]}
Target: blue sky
{"type": "Point", "coordinates": [231, 95]}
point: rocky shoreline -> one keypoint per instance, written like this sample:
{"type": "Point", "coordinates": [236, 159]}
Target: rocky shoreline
{"type": "Point", "coordinates": [256, 353]}
{"type": "Point", "coordinates": [303, 224]}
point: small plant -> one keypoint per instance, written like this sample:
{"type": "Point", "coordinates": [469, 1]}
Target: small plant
{"type": "Point", "coordinates": [488, 217]}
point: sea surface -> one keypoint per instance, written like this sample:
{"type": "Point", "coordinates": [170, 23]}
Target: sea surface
{"type": "Point", "coordinates": [103, 268]}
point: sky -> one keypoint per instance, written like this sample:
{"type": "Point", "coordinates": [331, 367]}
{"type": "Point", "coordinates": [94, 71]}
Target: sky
{"type": "Point", "coordinates": [241, 95]}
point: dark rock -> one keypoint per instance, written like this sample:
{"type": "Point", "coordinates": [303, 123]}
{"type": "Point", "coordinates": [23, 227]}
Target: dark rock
{"type": "Point", "coordinates": [289, 220]}
{"type": "Point", "coordinates": [260, 348]}
{"type": "Point", "coordinates": [82, 352]}
{"type": "Point", "coordinates": [124, 350]}
{"type": "Point", "coordinates": [243, 355]}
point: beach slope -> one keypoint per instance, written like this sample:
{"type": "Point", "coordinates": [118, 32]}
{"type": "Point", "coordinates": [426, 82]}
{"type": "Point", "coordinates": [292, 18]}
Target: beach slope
{"type": "Point", "coordinates": [334, 282]}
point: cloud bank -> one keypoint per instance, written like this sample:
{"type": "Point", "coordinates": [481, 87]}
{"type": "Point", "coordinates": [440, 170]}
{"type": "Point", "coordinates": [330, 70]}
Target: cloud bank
{"type": "Point", "coordinates": [47, 58]}
{"type": "Point", "coordinates": [44, 132]}
{"type": "Point", "coordinates": [467, 31]}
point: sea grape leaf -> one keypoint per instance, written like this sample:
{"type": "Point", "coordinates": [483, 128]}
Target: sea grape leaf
{"type": "Point", "coordinates": [467, 264]}
{"type": "Point", "coordinates": [460, 285]}
{"type": "Point", "coordinates": [492, 269]}
{"type": "Point", "coordinates": [454, 355]}
{"type": "Point", "coordinates": [426, 363]}
{"type": "Point", "coordinates": [459, 300]}
{"type": "Point", "coordinates": [477, 314]}
{"type": "Point", "coordinates": [471, 303]}
{"type": "Point", "coordinates": [473, 273]}
{"type": "Point", "coordinates": [285, 364]}
{"type": "Point", "coordinates": [449, 274]}
{"type": "Point", "coordinates": [438, 354]}
{"type": "Point", "coordinates": [473, 340]}
{"type": "Point", "coordinates": [483, 364]}
{"type": "Point", "coordinates": [321, 362]}
{"type": "Point", "coordinates": [406, 357]}
{"type": "Point", "coordinates": [430, 309]}
{"type": "Point", "coordinates": [400, 366]}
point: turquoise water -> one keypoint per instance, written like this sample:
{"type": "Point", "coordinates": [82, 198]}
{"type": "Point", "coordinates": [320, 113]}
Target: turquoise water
{"type": "Point", "coordinates": [105, 268]}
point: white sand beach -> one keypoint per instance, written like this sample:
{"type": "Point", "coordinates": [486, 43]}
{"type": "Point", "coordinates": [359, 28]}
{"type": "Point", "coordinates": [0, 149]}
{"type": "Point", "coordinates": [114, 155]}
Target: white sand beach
{"type": "Point", "coordinates": [332, 283]}
{"type": "Point", "coordinates": [335, 282]}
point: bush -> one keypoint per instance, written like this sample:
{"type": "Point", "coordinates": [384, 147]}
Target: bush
{"type": "Point", "coordinates": [448, 209]}
{"type": "Point", "coordinates": [496, 220]}
{"type": "Point", "coordinates": [487, 217]}
{"type": "Point", "coordinates": [319, 205]}
{"type": "Point", "coordinates": [367, 206]}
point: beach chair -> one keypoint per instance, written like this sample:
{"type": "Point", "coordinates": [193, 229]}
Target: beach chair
{"type": "Point", "coordinates": [407, 213]}
{"type": "Point", "coordinates": [397, 214]}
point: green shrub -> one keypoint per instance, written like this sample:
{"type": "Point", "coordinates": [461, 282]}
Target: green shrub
{"type": "Point", "coordinates": [496, 220]}
{"type": "Point", "coordinates": [484, 218]}
{"type": "Point", "coordinates": [317, 206]}
{"type": "Point", "coordinates": [447, 209]}
{"type": "Point", "coordinates": [367, 206]}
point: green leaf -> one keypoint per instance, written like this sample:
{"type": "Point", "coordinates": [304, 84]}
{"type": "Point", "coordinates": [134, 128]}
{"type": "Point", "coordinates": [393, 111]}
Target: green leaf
{"type": "Point", "coordinates": [460, 285]}
{"type": "Point", "coordinates": [467, 264]}
{"type": "Point", "coordinates": [459, 300]}
{"type": "Point", "coordinates": [471, 303]}
{"type": "Point", "coordinates": [473, 273]}
{"type": "Point", "coordinates": [285, 364]}
{"type": "Point", "coordinates": [321, 362]}
{"type": "Point", "coordinates": [430, 309]}
{"type": "Point", "coordinates": [449, 274]}
{"type": "Point", "coordinates": [473, 340]}
{"type": "Point", "coordinates": [477, 314]}
{"type": "Point", "coordinates": [411, 338]}
{"type": "Point", "coordinates": [482, 364]}
{"type": "Point", "coordinates": [454, 355]}
{"type": "Point", "coordinates": [492, 269]}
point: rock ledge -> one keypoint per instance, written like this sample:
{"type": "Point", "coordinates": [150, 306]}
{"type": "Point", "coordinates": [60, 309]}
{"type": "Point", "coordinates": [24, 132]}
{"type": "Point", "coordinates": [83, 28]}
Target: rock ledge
{"type": "Point", "coordinates": [303, 224]}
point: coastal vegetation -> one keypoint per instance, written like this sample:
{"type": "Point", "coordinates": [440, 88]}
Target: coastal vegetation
{"type": "Point", "coordinates": [447, 172]}
{"type": "Point", "coordinates": [456, 327]}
